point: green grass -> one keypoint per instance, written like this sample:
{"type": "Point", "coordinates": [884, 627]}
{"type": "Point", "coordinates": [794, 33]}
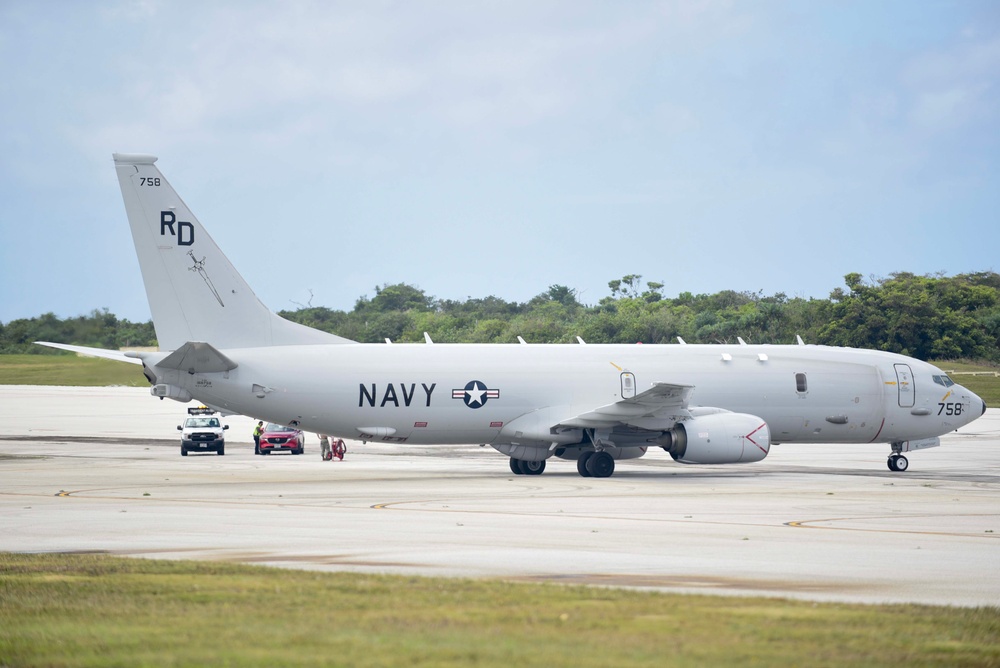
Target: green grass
{"type": "Point", "coordinates": [68, 370]}
{"type": "Point", "coordinates": [986, 386]}
{"type": "Point", "coordinates": [94, 610]}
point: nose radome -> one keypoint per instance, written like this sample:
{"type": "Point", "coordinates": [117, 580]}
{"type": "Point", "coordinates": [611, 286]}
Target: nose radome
{"type": "Point", "coordinates": [984, 408]}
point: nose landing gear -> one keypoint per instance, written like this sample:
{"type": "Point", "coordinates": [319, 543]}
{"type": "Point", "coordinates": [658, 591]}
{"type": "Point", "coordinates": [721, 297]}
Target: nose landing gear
{"type": "Point", "coordinates": [898, 463]}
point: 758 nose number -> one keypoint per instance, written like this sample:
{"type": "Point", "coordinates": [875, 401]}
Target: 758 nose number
{"type": "Point", "coordinates": [950, 408]}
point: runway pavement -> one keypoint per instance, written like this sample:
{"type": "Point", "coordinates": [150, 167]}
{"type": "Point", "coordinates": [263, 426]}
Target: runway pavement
{"type": "Point", "coordinates": [99, 469]}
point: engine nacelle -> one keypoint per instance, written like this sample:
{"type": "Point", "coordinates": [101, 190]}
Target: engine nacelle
{"type": "Point", "coordinates": [720, 438]}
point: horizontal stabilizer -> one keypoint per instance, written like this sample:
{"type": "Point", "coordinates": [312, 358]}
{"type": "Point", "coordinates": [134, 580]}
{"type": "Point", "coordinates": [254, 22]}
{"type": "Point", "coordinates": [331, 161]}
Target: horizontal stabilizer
{"type": "Point", "coordinates": [659, 407]}
{"type": "Point", "coordinates": [197, 357]}
{"type": "Point", "coordinates": [115, 355]}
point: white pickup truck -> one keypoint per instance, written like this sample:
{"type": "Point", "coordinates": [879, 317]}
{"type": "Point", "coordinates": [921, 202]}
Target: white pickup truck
{"type": "Point", "coordinates": [202, 432]}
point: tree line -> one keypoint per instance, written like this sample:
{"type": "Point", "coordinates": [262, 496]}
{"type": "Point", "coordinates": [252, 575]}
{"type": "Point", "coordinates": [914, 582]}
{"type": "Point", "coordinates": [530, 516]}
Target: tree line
{"type": "Point", "coordinates": [925, 316]}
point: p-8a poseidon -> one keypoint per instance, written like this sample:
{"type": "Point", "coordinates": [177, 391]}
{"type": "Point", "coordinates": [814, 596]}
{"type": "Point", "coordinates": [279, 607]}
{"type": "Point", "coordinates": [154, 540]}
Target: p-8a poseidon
{"type": "Point", "coordinates": [592, 404]}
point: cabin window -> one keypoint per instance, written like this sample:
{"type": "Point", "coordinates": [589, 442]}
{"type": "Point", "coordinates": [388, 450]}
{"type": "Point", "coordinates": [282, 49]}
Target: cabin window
{"type": "Point", "coordinates": [800, 383]}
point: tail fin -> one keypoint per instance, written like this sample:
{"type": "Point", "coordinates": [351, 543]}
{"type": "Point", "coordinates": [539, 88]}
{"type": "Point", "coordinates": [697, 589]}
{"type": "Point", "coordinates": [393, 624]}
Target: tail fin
{"type": "Point", "coordinates": [194, 292]}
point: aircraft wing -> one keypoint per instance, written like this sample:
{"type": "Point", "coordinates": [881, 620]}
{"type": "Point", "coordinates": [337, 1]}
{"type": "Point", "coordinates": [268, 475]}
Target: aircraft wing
{"type": "Point", "coordinates": [116, 355]}
{"type": "Point", "coordinates": [659, 407]}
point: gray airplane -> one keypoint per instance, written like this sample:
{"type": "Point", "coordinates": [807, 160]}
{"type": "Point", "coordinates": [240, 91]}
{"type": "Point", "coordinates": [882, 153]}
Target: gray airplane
{"type": "Point", "coordinates": [592, 404]}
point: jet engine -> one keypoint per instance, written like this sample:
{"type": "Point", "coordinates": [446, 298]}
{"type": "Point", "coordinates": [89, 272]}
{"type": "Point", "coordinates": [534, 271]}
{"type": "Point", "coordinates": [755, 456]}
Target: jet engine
{"type": "Point", "coordinates": [718, 438]}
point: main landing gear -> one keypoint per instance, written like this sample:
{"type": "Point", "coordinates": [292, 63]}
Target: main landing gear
{"type": "Point", "coordinates": [595, 464]}
{"type": "Point", "coordinates": [524, 467]}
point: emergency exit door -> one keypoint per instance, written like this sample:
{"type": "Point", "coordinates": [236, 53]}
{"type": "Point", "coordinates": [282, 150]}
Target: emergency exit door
{"type": "Point", "coordinates": [628, 385]}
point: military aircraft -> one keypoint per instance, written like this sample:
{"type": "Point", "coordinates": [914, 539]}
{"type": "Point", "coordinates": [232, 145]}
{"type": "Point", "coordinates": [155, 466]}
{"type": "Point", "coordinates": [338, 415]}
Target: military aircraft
{"type": "Point", "coordinates": [592, 404]}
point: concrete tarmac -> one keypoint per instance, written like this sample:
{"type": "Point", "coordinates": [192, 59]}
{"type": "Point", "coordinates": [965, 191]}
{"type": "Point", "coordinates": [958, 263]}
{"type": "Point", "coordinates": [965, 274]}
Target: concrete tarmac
{"type": "Point", "coordinates": [99, 470]}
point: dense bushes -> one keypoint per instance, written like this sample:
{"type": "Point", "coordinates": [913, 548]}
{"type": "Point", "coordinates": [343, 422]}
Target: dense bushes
{"type": "Point", "coordinates": [929, 317]}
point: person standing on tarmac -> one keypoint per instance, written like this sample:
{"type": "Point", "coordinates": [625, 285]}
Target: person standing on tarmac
{"type": "Point", "coordinates": [257, 431]}
{"type": "Point", "coordinates": [324, 447]}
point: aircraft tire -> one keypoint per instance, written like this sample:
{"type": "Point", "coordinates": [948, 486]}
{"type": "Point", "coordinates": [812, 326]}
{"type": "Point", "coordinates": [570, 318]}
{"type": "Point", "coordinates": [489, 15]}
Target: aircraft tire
{"type": "Point", "coordinates": [533, 468]}
{"type": "Point", "coordinates": [515, 466]}
{"type": "Point", "coordinates": [601, 465]}
{"type": "Point", "coordinates": [902, 463]}
{"type": "Point", "coordinates": [581, 464]}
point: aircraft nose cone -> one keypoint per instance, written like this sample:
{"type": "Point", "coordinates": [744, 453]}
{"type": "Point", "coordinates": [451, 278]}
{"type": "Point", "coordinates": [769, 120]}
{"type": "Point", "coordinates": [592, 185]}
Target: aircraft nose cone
{"type": "Point", "coordinates": [984, 409]}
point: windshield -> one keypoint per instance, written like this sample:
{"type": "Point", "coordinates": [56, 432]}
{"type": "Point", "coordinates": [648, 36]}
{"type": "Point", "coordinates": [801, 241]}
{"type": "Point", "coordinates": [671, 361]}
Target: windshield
{"type": "Point", "coordinates": [202, 422]}
{"type": "Point", "coordinates": [271, 426]}
{"type": "Point", "coordinates": [944, 380]}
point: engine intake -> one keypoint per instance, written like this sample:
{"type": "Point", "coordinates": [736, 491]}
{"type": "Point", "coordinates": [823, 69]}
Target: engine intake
{"type": "Point", "coordinates": [720, 438]}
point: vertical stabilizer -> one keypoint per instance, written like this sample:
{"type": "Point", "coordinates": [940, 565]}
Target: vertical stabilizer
{"type": "Point", "coordinates": [194, 292]}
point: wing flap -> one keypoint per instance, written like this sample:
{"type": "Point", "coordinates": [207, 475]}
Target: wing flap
{"type": "Point", "coordinates": [659, 407]}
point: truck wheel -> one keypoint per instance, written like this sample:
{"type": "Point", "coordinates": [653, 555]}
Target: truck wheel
{"type": "Point", "coordinates": [221, 451]}
{"type": "Point", "coordinates": [184, 451]}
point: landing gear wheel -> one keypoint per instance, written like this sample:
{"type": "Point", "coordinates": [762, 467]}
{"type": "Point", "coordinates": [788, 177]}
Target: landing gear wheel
{"type": "Point", "coordinates": [515, 466]}
{"type": "Point", "coordinates": [601, 465]}
{"type": "Point", "coordinates": [898, 463]}
{"type": "Point", "coordinates": [533, 468]}
{"type": "Point", "coordinates": [581, 464]}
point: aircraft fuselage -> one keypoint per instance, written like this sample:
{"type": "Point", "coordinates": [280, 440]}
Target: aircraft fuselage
{"type": "Point", "coordinates": [457, 393]}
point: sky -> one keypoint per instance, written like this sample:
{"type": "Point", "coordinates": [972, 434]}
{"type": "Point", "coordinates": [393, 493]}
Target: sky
{"type": "Point", "coordinates": [499, 148]}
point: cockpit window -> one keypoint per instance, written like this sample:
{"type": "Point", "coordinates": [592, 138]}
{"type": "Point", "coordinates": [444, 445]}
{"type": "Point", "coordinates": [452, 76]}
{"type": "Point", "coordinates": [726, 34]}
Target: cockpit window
{"type": "Point", "coordinates": [944, 380]}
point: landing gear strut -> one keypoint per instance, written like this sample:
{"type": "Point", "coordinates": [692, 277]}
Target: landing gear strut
{"type": "Point", "coordinates": [897, 462]}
